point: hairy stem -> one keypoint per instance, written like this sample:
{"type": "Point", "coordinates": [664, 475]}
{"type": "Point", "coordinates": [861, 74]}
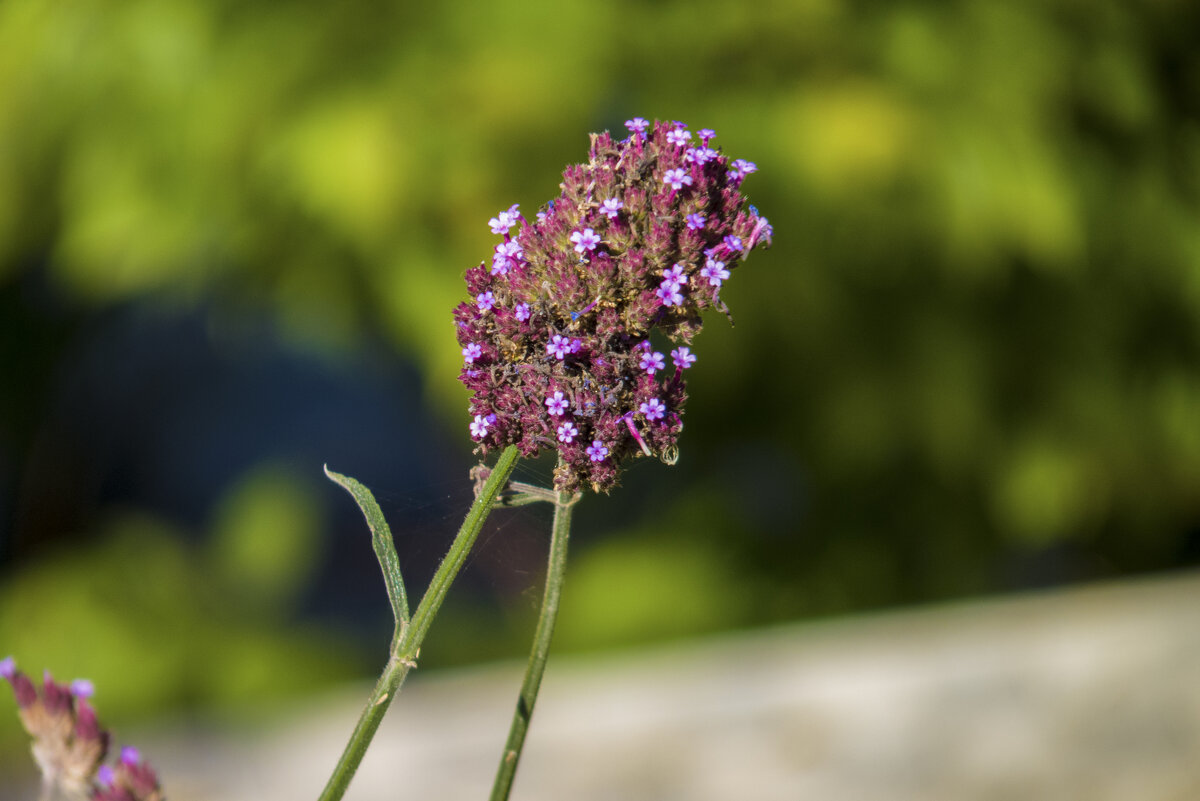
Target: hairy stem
{"type": "Point", "coordinates": [541, 647]}
{"type": "Point", "coordinates": [408, 636]}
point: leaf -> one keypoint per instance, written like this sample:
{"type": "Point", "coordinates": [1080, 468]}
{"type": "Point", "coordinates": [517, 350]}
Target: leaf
{"type": "Point", "coordinates": [381, 540]}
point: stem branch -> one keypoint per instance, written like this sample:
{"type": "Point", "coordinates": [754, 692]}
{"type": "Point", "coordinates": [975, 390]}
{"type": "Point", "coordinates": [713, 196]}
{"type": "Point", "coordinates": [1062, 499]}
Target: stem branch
{"type": "Point", "coordinates": [408, 635]}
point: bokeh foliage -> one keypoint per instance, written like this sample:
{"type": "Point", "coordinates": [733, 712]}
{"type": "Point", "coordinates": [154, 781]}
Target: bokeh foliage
{"type": "Point", "coordinates": [969, 362]}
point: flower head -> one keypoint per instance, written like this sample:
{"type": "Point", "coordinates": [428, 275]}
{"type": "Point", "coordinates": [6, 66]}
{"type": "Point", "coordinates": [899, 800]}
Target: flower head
{"type": "Point", "coordinates": [561, 355]}
{"type": "Point", "coordinates": [70, 744]}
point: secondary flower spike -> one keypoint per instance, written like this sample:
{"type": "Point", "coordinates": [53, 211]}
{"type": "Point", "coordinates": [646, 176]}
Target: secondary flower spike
{"type": "Point", "coordinates": [69, 744]}
{"type": "Point", "coordinates": [557, 345]}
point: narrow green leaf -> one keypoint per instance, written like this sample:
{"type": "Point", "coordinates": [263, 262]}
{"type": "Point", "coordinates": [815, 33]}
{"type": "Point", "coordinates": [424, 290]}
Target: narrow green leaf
{"type": "Point", "coordinates": [381, 540]}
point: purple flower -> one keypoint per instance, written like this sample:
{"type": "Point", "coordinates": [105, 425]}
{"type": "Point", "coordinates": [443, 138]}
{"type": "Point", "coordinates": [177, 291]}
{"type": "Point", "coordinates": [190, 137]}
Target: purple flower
{"type": "Point", "coordinates": [683, 358]}
{"type": "Point", "coordinates": [105, 776]}
{"type": "Point", "coordinates": [504, 220]}
{"type": "Point", "coordinates": [83, 688]}
{"type": "Point", "coordinates": [679, 137]}
{"type": "Point", "coordinates": [585, 240]}
{"type": "Point", "coordinates": [674, 275]}
{"type": "Point", "coordinates": [762, 230]}
{"type": "Point", "coordinates": [676, 179]}
{"type": "Point", "coordinates": [559, 347]}
{"type": "Point", "coordinates": [706, 135]}
{"type": "Point", "coordinates": [8, 667]}
{"type": "Point", "coordinates": [670, 294]}
{"type": "Point", "coordinates": [556, 404]}
{"type": "Point", "coordinates": [741, 168]}
{"type": "Point", "coordinates": [130, 756]}
{"type": "Point", "coordinates": [567, 432]}
{"type": "Point", "coordinates": [501, 263]}
{"type": "Point", "coordinates": [652, 362]}
{"type": "Point", "coordinates": [653, 409]}
{"type": "Point", "coordinates": [479, 427]}
{"type": "Point", "coordinates": [582, 369]}
{"type": "Point", "coordinates": [714, 272]}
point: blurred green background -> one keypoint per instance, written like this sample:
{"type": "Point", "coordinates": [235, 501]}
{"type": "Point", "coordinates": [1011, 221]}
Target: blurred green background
{"type": "Point", "coordinates": [231, 235]}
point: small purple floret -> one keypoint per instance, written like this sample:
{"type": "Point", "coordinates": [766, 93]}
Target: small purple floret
{"type": "Point", "coordinates": [558, 347]}
{"type": "Point", "coordinates": [521, 312]}
{"type": "Point", "coordinates": [652, 362]}
{"type": "Point", "coordinates": [669, 294]}
{"type": "Point", "coordinates": [714, 272]}
{"type": "Point", "coordinates": [567, 433]}
{"type": "Point", "coordinates": [479, 427]}
{"type": "Point", "coordinates": [556, 404]}
{"type": "Point", "coordinates": [8, 667]}
{"type": "Point", "coordinates": [695, 221]}
{"type": "Point", "coordinates": [585, 240]}
{"type": "Point", "coordinates": [676, 179]}
{"type": "Point", "coordinates": [637, 125]}
{"type": "Point", "coordinates": [612, 207]}
{"type": "Point", "coordinates": [675, 274]}
{"type": "Point", "coordinates": [679, 137]}
{"type": "Point", "coordinates": [683, 358]}
{"type": "Point", "coordinates": [83, 688]}
{"type": "Point", "coordinates": [472, 352]}
{"type": "Point", "coordinates": [485, 301]}
{"type": "Point", "coordinates": [596, 451]}
{"type": "Point", "coordinates": [130, 756]}
{"type": "Point", "coordinates": [105, 776]}
{"type": "Point", "coordinates": [653, 409]}
{"type": "Point", "coordinates": [504, 220]}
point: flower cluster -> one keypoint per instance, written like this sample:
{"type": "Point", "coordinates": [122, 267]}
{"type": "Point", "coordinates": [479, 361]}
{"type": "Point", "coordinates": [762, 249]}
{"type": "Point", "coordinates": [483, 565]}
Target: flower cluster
{"type": "Point", "coordinates": [558, 339]}
{"type": "Point", "coordinates": [69, 744]}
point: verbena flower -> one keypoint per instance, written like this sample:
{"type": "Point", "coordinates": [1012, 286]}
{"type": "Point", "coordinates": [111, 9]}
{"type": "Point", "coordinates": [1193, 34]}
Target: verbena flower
{"type": "Point", "coordinates": [69, 744]}
{"type": "Point", "coordinates": [635, 247]}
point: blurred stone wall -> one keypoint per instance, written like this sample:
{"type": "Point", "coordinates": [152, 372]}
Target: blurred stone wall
{"type": "Point", "coordinates": [1080, 694]}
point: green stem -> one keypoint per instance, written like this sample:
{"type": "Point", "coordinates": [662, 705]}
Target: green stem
{"type": "Point", "coordinates": [541, 648]}
{"type": "Point", "coordinates": [408, 636]}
